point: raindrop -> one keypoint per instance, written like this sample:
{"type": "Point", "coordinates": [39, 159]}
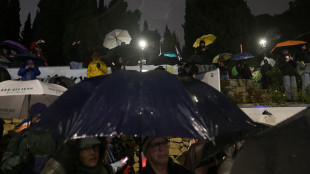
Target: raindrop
{"type": "Point", "coordinates": [152, 113]}
{"type": "Point", "coordinates": [140, 113]}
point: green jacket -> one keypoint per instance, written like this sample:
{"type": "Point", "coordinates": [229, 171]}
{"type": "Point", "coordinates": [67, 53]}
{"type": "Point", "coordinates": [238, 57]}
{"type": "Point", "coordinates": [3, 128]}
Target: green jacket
{"type": "Point", "coordinates": [41, 144]}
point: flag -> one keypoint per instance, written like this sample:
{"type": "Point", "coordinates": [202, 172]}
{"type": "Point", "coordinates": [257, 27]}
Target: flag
{"type": "Point", "coordinates": [178, 53]}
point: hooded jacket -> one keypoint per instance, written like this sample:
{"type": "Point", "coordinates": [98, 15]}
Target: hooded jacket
{"type": "Point", "coordinates": [29, 74]}
{"type": "Point", "coordinates": [93, 70]}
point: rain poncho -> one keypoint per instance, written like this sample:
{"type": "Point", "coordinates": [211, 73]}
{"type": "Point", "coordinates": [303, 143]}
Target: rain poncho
{"type": "Point", "coordinates": [93, 70]}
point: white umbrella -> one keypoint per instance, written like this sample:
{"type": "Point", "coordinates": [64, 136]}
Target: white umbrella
{"type": "Point", "coordinates": [115, 38]}
{"type": "Point", "coordinates": [271, 61]}
{"type": "Point", "coordinates": [17, 96]}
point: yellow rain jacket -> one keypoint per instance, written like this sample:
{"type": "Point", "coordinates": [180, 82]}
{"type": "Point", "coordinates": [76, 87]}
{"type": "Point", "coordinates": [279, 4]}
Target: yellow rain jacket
{"type": "Point", "coordinates": [93, 70]}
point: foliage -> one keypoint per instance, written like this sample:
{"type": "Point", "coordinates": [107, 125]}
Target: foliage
{"type": "Point", "coordinates": [12, 21]}
{"type": "Point", "coordinates": [27, 34]}
{"type": "Point", "coordinates": [170, 41]}
{"type": "Point", "coordinates": [3, 13]}
{"type": "Point", "coordinates": [230, 20]}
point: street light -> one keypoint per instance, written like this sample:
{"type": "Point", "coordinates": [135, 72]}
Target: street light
{"type": "Point", "coordinates": [142, 45]}
{"type": "Point", "coordinates": [263, 43]}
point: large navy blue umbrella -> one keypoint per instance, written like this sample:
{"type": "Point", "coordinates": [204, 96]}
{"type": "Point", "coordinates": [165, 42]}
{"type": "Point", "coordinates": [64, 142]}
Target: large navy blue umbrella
{"type": "Point", "coordinates": [126, 103]}
{"type": "Point", "coordinates": [155, 103]}
{"type": "Point", "coordinates": [242, 56]}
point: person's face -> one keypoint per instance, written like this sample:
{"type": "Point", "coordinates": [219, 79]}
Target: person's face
{"type": "Point", "coordinates": [29, 62]}
{"type": "Point", "coordinates": [89, 156]}
{"type": "Point", "coordinates": [285, 52]}
{"type": "Point", "coordinates": [120, 60]}
{"type": "Point", "coordinates": [158, 151]}
{"type": "Point", "coordinates": [96, 57]}
{"type": "Point", "coordinates": [304, 47]}
{"type": "Point", "coordinates": [35, 118]}
{"type": "Point", "coordinates": [202, 44]}
{"type": "Point", "coordinates": [187, 69]}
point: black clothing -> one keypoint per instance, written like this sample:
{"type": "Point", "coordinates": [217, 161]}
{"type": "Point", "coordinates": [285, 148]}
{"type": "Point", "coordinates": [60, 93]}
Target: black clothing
{"type": "Point", "coordinates": [303, 56]}
{"type": "Point", "coordinates": [205, 55]}
{"type": "Point", "coordinates": [74, 54]}
{"type": "Point", "coordinates": [287, 68]}
{"type": "Point", "coordinates": [246, 72]}
{"type": "Point", "coordinates": [173, 168]}
{"type": "Point", "coordinates": [117, 67]}
{"type": "Point", "coordinates": [223, 70]}
{"type": "Point", "coordinates": [266, 79]}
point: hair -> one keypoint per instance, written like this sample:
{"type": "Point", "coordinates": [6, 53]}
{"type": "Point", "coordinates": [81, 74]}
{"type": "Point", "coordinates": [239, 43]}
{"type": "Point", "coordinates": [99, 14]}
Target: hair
{"type": "Point", "coordinates": [95, 54]}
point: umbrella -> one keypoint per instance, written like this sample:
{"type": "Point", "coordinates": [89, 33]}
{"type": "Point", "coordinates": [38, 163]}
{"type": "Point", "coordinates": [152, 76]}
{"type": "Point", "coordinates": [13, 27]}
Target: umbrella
{"type": "Point", "coordinates": [67, 81]}
{"type": "Point", "coordinates": [16, 46]}
{"type": "Point", "coordinates": [4, 60]}
{"type": "Point", "coordinates": [223, 56]}
{"type": "Point", "coordinates": [127, 52]}
{"type": "Point", "coordinates": [290, 45]}
{"type": "Point", "coordinates": [271, 61]}
{"type": "Point", "coordinates": [242, 56]}
{"type": "Point", "coordinates": [280, 149]}
{"type": "Point", "coordinates": [13, 100]}
{"type": "Point", "coordinates": [166, 58]}
{"type": "Point", "coordinates": [209, 39]}
{"type": "Point", "coordinates": [196, 59]}
{"type": "Point", "coordinates": [139, 108]}
{"type": "Point", "coordinates": [24, 57]}
{"type": "Point", "coordinates": [143, 107]}
{"type": "Point", "coordinates": [116, 38]}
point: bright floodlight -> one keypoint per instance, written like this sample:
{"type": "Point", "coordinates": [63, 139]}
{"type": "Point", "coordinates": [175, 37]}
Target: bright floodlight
{"type": "Point", "coordinates": [263, 43]}
{"type": "Point", "coordinates": [142, 44]}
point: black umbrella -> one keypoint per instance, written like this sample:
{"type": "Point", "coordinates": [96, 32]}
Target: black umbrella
{"type": "Point", "coordinates": [196, 59]}
{"type": "Point", "coordinates": [24, 57]}
{"type": "Point", "coordinates": [127, 52]}
{"type": "Point", "coordinates": [279, 150]}
{"type": "Point", "coordinates": [62, 80]}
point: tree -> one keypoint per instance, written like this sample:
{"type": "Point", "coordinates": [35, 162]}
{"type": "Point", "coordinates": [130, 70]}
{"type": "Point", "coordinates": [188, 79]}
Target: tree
{"type": "Point", "coordinates": [230, 21]}
{"type": "Point", "coordinates": [12, 21]}
{"type": "Point", "coordinates": [170, 41]}
{"type": "Point", "coordinates": [4, 4]}
{"type": "Point", "coordinates": [27, 34]}
{"type": "Point", "coordinates": [49, 27]}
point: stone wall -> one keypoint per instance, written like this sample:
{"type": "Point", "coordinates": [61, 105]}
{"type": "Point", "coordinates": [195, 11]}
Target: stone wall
{"type": "Point", "coordinates": [241, 90]}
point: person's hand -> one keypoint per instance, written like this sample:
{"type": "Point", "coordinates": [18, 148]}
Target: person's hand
{"type": "Point", "coordinates": [27, 67]}
{"type": "Point", "coordinates": [32, 66]}
{"type": "Point", "coordinates": [122, 67]}
{"type": "Point", "coordinates": [287, 59]}
{"type": "Point", "coordinates": [98, 65]}
{"type": "Point", "coordinates": [204, 49]}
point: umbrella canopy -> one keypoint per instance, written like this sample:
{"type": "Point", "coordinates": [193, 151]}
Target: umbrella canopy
{"type": "Point", "coordinates": [67, 82]}
{"type": "Point", "coordinates": [13, 100]}
{"type": "Point", "coordinates": [105, 106]}
{"type": "Point", "coordinates": [116, 38]}
{"type": "Point", "coordinates": [271, 61]}
{"type": "Point", "coordinates": [290, 45]}
{"type": "Point", "coordinates": [139, 108]}
{"type": "Point", "coordinates": [242, 56]}
{"type": "Point", "coordinates": [280, 149]}
{"type": "Point", "coordinates": [24, 57]}
{"type": "Point", "coordinates": [196, 59]}
{"type": "Point", "coordinates": [16, 46]}
{"type": "Point", "coordinates": [4, 60]}
{"type": "Point", "coordinates": [166, 58]}
{"type": "Point", "coordinates": [208, 39]}
{"type": "Point", "coordinates": [223, 56]}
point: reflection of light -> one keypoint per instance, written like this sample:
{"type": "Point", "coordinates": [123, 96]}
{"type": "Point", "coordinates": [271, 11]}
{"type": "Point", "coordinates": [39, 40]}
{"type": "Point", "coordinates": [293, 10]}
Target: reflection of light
{"type": "Point", "coordinates": [195, 99]}
{"type": "Point", "coordinates": [263, 43]}
{"type": "Point", "coordinates": [145, 70]}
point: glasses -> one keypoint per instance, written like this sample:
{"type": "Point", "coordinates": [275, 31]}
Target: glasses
{"type": "Point", "coordinates": [156, 146]}
{"type": "Point", "coordinates": [94, 147]}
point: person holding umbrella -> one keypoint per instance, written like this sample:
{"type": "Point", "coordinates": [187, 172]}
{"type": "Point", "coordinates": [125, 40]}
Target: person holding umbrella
{"type": "Point", "coordinates": [29, 71]}
{"type": "Point", "coordinates": [287, 66]}
{"type": "Point", "coordinates": [203, 51]}
{"type": "Point", "coordinates": [96, 67]}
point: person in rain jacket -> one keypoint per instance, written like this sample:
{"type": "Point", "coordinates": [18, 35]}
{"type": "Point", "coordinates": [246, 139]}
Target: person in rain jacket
{"type": "Point", "coordinates": [117, 64]}
{"type": "Point", "coordinates": [82, 156]}
{"type": "Point", "coordinates": [29, 150]}
{"type": "Point", "coordinates": [29, 71]}
{"type": "Point", "coordinates": [96, 67]}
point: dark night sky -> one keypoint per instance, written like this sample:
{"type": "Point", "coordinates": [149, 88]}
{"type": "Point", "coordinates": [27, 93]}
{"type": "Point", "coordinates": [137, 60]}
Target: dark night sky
{"type": "Point", "coordinates": [158, 13]}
